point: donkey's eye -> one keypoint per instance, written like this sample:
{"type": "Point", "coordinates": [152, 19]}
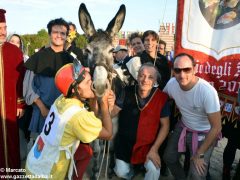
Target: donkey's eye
{"type": "Point", "coordinates": [111, 50]}
{"type": "Point", "coordinates": [87, 51]}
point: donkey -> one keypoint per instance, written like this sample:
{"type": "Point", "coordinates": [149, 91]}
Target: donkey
{"type": "Point", "coordinates": [98, 57]}
{"type": "Point", "coordinates": [98, 52]}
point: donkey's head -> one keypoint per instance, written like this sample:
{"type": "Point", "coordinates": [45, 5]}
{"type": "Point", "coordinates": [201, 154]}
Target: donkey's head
{"type": "Point", "coordinates": [98, 53]}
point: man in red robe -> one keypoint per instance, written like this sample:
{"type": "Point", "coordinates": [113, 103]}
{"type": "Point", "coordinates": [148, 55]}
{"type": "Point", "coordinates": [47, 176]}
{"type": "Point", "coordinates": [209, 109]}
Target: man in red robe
{"type": "Point", "coordinates": [11, 103]}
{"type": "Point", "coordinates": [143, 125]}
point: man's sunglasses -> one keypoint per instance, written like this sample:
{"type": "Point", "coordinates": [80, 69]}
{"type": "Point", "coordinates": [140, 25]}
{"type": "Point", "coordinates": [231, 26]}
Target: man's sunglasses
{"type": "Point", "coordinates": [185, 70]}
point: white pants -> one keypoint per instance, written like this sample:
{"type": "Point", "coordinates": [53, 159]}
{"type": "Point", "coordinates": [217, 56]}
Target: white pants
{"type": "Point", "coordinates": [124, 170]}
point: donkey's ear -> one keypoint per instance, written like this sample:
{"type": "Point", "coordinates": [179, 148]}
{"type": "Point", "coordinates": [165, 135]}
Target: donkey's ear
{"type": "Point", "coordinates": [86, 21]}
{"type": "Point", "coordinates": [116, 23]}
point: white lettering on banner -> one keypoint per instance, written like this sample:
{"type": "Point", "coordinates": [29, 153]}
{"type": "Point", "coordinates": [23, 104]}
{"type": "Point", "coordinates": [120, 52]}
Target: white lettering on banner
{"type": "Point", "coordinates": [219, 71]}
{"type": "Point", "coordinates": [223, 76]}
{"type": "Point", "coordinates": [231, 86]}
{"type": "Point", "coordinates": [224, 84]}
{"type": "Point", "coordinates": [238, 70]}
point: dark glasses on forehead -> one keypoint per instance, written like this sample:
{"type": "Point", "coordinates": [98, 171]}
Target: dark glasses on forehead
{"type": "Point", "coordinates": [179, 70]}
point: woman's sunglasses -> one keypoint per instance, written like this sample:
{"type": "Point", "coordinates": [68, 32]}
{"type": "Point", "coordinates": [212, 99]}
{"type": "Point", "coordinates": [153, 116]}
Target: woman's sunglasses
{"type": "Point", "coordinates": [185, 70]}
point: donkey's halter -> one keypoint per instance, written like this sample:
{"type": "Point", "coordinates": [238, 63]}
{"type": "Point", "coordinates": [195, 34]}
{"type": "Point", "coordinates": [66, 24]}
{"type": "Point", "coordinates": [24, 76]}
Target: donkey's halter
{"type": "Point", "coordinates": [108, 69]}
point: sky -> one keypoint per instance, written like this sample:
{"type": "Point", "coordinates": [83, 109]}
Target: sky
{"type": "Point", "coordinates": [30, 16]}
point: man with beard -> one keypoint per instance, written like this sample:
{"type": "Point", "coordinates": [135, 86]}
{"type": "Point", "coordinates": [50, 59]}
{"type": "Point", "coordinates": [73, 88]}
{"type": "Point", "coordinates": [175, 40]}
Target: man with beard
{"type": "Point", "coordinates": [11, 102]}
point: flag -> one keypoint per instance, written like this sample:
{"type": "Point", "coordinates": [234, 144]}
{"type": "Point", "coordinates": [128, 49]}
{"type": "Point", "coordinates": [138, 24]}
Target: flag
{"type": "Point", "coordinates": [209, 31]}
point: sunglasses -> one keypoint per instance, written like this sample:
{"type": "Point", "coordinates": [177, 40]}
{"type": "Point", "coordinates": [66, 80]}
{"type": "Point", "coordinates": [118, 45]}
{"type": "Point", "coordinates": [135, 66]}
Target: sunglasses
{"type": "Point", "coordinates": [185, 70]}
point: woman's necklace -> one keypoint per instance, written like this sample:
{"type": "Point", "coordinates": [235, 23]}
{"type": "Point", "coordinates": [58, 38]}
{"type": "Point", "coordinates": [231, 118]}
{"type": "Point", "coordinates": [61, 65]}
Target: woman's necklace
{"type": "Point", "coordinates": [137, 98]}
{"type": "Point", "coordinates": [138, 101]}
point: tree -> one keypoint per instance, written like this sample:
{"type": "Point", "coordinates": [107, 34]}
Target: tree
{"type": "Point", "coordinates": [35, 41]}
{"type": "Point", "coordinates": [81, 41]}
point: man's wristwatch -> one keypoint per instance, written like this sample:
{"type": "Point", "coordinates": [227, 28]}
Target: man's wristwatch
{"type": "Point", "coordinates": [201, 156]}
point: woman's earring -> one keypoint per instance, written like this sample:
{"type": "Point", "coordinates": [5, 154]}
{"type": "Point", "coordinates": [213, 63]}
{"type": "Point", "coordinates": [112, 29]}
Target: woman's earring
{"type": "Point", "coordinates": [155, 84]}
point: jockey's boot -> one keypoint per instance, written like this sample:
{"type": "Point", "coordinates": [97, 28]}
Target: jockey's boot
{"type": "Point", "coordinates": [226, 173]}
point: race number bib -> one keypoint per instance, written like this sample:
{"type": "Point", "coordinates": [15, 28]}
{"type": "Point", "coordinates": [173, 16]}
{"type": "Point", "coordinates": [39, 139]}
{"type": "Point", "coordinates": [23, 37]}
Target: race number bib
{"type": "Point", "coordinates": [51, 126]}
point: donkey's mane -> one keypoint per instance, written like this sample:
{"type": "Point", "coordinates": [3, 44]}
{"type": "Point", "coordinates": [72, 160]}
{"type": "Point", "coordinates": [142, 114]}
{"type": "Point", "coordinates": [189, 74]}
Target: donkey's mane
{"type": "Point", "coordinates": [99, 35]}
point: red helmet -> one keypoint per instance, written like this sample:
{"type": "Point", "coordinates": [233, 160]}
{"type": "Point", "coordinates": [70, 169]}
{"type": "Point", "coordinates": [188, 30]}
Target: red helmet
{"type": "Point", "coordinates": [67, 77]}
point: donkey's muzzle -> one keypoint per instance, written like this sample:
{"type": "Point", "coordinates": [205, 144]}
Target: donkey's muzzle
{"type": "Point", "coordinates": [100, 81]}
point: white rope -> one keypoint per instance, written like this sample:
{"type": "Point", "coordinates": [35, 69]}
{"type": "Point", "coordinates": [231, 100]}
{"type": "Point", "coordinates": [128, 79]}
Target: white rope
{"type": "Point", "coordinates": [164, 10]}
{"type": "Point", "coordinates": [100, 168]}
{"type": "Point", "coordinates": [108, 153]}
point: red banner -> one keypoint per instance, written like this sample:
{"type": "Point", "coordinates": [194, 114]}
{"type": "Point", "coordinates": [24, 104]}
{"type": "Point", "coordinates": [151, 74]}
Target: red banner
{"type": "Point", "coordinates": [209, 31]}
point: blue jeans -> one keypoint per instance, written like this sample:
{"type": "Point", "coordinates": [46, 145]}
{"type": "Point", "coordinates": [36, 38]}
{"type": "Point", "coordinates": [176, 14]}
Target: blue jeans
{"type": "Point", "coordinates": [171, 156]}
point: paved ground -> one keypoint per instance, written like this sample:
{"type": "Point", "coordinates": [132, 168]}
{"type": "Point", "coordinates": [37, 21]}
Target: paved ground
{"type": "Point", "coordinates": [215, 166]}
{"type": "Point", "coordinates": [216, 160]}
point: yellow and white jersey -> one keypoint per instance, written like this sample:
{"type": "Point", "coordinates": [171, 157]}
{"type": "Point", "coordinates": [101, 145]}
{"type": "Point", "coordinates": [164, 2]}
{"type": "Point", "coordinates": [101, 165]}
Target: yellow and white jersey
{"type": "Point", "coordinates": [67, 122]}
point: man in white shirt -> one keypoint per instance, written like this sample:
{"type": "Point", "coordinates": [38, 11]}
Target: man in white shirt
{"type": "Point", "coordinates": [200, 123]}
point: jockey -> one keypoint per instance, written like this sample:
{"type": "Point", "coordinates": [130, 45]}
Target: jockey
{"type": "Point", "coordinates": [68, 123]}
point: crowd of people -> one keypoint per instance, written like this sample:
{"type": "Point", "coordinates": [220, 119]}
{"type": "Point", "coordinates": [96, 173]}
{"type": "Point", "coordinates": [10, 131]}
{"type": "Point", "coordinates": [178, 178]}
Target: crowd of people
{"type": "Point", "coordinates": [50, 114]}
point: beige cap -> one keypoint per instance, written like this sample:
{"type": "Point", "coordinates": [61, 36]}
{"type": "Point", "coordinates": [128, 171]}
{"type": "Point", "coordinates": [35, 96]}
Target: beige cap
{"type": "Point", "coordinates": [120, 47]}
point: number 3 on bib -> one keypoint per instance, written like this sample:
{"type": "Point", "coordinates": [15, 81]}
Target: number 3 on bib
{"type": "Point", "coordinates": [47, 127]}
